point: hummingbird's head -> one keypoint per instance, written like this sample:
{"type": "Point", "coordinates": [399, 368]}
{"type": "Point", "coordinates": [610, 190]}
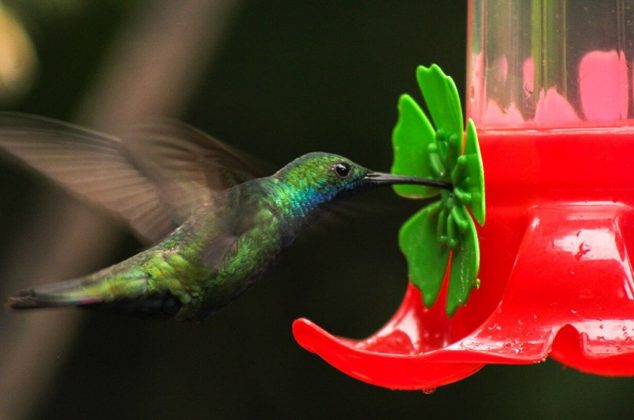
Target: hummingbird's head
{"type": "Point", "coordinates": [317, 178]}
{"type": "Point", "coordinates": [320, 177]}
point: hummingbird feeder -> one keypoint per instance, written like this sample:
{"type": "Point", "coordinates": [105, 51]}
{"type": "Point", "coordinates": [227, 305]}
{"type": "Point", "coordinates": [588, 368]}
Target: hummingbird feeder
{"type": "Point", "coordinates": [549, 88]}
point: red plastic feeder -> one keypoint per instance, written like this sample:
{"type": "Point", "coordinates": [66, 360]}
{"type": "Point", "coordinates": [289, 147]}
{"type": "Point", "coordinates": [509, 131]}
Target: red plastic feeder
{"type": "Point", "coordinates": [552, 101]}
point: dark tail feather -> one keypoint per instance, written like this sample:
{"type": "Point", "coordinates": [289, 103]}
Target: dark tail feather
{"type": "Point", "coordinates": [53, 296]}
{"type": "Point", "coordinates": [65, 294]}
{"type": "Point", "coordinates": [28, 299]}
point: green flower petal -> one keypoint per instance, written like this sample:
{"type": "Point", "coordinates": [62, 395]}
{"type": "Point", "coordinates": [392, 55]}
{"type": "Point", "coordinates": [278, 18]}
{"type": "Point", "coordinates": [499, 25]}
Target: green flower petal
{"type": "Point", "coordinates": [427, 259]}
{"type": "Point", "coordinates": [437, 152]}
{"type": "Point", "coordinates": [464, 269]}
{"type": "Point", "coordinates": [411, 138]}
{"type": "Point", "coordinates": [474, 183]}
{"type": "Point", "coordinates": [442, 98]}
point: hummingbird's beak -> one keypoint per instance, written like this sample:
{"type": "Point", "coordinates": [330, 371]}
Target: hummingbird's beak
{"type": "Point", "coordinates": [381, 178]}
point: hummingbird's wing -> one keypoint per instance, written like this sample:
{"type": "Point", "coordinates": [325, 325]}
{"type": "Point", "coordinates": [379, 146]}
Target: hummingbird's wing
{"type": "Point", "coordinates": [153, 181]}
{"type": "Point", "coordinates": [189, 165]}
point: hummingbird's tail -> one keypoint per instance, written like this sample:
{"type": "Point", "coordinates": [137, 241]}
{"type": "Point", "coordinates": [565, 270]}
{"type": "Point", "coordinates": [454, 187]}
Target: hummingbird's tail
{"type": "Point", "coordinates": [85, 291]}
{"type": "Point", "coordinates": [124, 292]}
{"type": "Point", "coordinates": [50, 297]}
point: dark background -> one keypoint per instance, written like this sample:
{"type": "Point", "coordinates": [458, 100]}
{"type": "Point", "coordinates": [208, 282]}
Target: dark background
{"type": "Point", "coordinates": [288, 77]}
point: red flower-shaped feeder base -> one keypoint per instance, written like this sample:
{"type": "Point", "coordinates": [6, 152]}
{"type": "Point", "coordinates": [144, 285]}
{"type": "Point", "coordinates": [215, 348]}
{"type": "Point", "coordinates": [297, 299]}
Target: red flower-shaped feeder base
{"type": "Point", "coordinates": [556, 276]}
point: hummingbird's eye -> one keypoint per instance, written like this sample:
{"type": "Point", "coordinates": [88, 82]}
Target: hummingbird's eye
{"type": "Point", "coordinates": [342, 169]}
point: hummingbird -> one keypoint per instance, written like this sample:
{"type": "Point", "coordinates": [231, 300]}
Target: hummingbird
{"type": "Point", "coordinates": [214, 227]}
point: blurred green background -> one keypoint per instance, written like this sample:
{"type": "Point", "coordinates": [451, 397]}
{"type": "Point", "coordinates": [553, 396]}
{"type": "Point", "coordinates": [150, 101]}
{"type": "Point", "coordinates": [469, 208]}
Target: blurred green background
{"type": "Point", "coordinates": [276, 79]}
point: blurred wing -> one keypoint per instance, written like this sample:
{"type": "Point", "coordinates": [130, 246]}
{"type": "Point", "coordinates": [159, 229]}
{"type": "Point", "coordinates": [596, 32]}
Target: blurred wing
{"type": "Point", "coordinates": [188, 164]}
{"type": "Point", "coordinates": [92, 165]}
{"type": "Point", "coordinates": [153, 181]}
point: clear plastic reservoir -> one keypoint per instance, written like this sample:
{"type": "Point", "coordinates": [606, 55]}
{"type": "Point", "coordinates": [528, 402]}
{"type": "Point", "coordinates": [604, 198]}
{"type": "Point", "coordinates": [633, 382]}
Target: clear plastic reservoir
{"type": "Point", "coordinates": [550, 63]}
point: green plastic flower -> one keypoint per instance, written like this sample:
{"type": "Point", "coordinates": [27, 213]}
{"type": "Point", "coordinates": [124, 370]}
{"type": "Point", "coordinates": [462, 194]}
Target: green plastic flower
{"type": "Point", "coordinates": [442, 236]}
